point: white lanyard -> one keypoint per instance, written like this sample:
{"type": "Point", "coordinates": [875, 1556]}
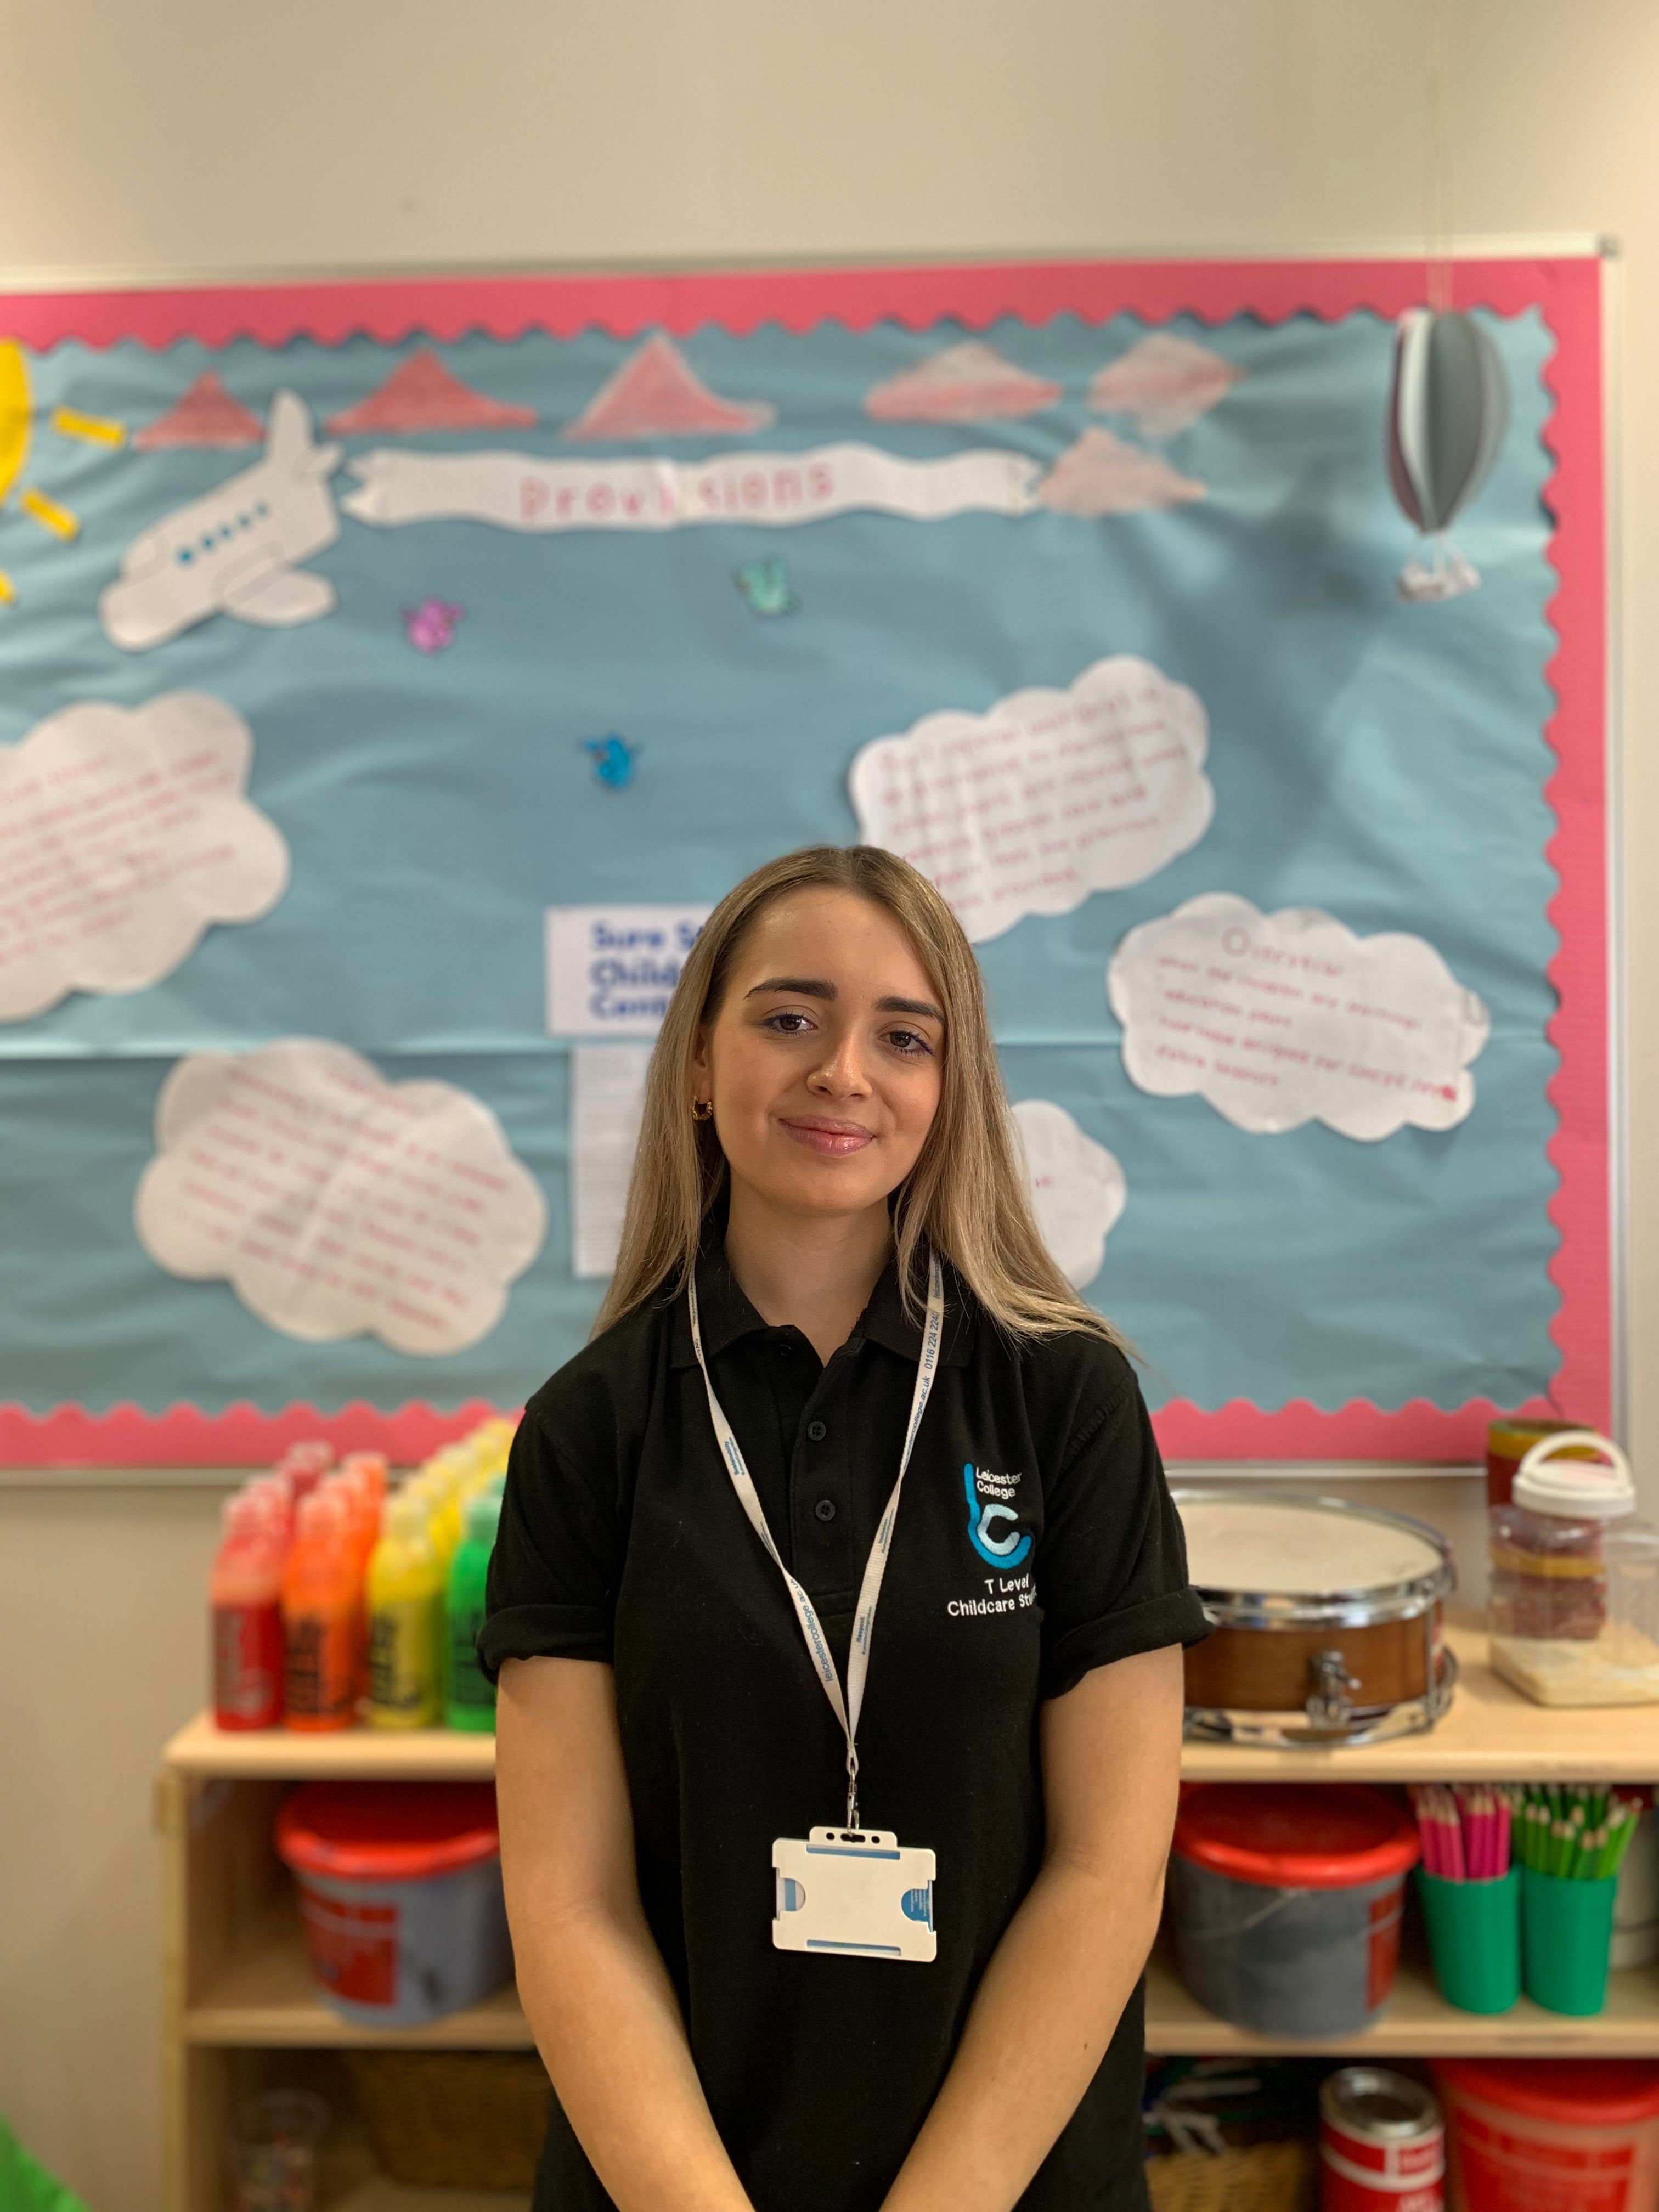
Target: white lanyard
{"type": "Point", "coordinates": [858, 1659]}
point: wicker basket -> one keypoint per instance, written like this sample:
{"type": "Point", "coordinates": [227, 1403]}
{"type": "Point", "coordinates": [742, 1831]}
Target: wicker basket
{"type": "Point", "coordinates": [454, 2118]}
{"type": "Point", "coordinates": [1271, 2177]}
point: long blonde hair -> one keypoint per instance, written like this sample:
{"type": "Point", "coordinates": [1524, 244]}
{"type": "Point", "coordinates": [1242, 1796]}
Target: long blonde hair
{"type": "Point", "coordinates": [966, 1196]}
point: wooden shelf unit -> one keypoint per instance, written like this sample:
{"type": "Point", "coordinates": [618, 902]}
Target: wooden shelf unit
{"type": "Point", "coordinates": [241, 2008]}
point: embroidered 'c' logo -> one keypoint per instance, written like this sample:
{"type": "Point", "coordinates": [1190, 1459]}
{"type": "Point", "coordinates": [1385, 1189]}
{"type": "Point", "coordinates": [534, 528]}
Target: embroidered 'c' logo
{"type": "Point", "coordinates": [1004, 1551]}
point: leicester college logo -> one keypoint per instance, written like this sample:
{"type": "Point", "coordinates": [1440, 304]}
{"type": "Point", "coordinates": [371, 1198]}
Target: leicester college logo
{"type": "Point", "coordinates": [997, 1544]}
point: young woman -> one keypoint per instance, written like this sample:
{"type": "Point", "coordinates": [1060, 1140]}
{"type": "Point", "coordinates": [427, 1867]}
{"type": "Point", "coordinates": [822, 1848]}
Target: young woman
{"type": "Point", "coordinates": [714, 1637]}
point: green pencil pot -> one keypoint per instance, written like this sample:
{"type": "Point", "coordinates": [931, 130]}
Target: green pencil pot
{"type": "Point", "coordinates": [1474, 1939]}
{"type": "Point", "coordinates": [1566, 1930]}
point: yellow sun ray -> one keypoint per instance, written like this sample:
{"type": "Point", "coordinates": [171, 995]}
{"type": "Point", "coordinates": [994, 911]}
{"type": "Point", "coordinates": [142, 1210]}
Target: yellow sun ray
{"type": "Point", "coordinates": [69, 422]}
{"type": "Point", "coordinates": [8, 590]}
{"type": "Point", "coordinates": [47, 512]}
{"type": "Point", "coordinates": [14, 414]}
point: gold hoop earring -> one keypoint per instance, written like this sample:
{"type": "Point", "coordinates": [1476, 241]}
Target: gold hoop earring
{"type": "Point", "coordinates": [702, 1109]}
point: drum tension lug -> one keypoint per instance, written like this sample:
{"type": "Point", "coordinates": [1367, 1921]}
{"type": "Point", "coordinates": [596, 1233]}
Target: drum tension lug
{"type": "Point", "coordinates": [1330, 1702]}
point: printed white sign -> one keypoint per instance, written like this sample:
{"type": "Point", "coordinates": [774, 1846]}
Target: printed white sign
{"type": "Point", "coordinates": [1050, 796]}
{"type": "Point", "coordinates": [607, 1103]}
{"type": "Point", "coordinates": [1282, 1019]}
{"type": "Point", "coordinates": [1077, 1189]}
{"type": "Point", "coordinates": [334, 1203]}
{"type": "Point", "coordinates": [519, 491]}
{"type": "Point", "coordinates": [611, 969]}
{"type": "Point", "coordinates": [124, 834]}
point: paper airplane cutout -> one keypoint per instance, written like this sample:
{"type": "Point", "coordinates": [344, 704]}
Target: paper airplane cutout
{"type": "Point", "coordinates": [421, 394]}
{"type": "Point", "coordinates": [206, 416]}
{"type": "Point", "coordinates": [656, 393]}
{"type": "Point", "coordinates": [1100, 475]}
{"type": "Point", "coordinates": [966, 383]}
{"type": "Point", "coordinates": [1163, 383]}
{"type": "Point", "coordinates": [233, 552]}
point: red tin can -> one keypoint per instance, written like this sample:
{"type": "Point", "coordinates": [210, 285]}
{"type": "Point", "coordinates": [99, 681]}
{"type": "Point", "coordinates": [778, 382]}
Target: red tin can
{"type": "Point", "coordinates": [1382, 2143]}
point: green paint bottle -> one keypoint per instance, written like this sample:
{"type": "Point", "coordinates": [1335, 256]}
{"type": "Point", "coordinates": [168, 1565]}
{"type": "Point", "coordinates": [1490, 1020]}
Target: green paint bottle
{"type": "Point", "coordinates": [469, 1698]}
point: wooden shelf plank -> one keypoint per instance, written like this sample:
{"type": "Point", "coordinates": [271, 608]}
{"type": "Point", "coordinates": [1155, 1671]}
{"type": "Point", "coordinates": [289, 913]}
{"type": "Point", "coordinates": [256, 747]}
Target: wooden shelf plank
{"type": "Point", "coordinates": [265, 1998]}
{"type": "Point", "coordinates": [1419, 2023]}
{"type": "Point", "coordinates": [343, 1755]}
{"type": "Point", "coordinates": [1492, 1734]}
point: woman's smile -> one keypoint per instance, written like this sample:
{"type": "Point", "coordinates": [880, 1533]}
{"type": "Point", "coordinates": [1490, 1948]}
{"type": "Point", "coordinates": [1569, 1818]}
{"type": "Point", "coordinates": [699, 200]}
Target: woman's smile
{"type": "Point", "coordinates": [821, 1132]}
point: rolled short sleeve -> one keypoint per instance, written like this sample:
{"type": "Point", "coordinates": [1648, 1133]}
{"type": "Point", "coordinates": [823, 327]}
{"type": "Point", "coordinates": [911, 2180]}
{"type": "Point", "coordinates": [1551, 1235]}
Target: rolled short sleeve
{"type": "Point", "coordinates": [1112, 1567]}
{"type": "Point", "coordinates": [558, 1557]}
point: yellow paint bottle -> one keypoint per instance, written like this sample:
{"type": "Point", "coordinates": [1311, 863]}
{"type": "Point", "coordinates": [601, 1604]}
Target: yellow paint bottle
{"type": "Point", "coordinates": [405, 1595]}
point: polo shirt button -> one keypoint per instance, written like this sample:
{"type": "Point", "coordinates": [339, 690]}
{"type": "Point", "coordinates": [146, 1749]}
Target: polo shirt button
{"type": "Point", "coordinates": [825, 1508]}
{"type": "Point", "coordinates": [817, 1430]}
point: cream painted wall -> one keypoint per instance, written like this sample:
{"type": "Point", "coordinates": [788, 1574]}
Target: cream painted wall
{"type": "Point", "coordinates": [347, 134]}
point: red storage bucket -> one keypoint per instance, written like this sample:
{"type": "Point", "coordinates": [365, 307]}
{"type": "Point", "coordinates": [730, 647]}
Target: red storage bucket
{"type": "Point", "coordinates": [1286, 1901]}
{"type": "Point", "coordinates": [400, 1895]}
{"type": "Point", "coordinates": [1552, 2135]}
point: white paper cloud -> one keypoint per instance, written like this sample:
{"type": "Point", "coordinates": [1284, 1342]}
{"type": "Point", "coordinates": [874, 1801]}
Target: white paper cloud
{"type": "Point", "coordinates": [334, 1203]}
{"type": "Point", "coordinates": [1077, 1189]}
{"type": "Point", "coordinates": [124, 834]}
{"type": "Point", "coordinates": [1282, 1019]}
{"type": "Point", "coordinates": [1050, 796]}
{"type": "Point", "coordinates": [1163, 383]}
{"type": "Point", "coordinates": [1100, 475]}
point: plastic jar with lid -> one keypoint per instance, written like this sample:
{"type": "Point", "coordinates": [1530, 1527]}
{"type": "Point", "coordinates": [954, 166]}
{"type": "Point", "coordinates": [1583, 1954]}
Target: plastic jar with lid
{"type": "Point", "coordinates": [1572, 1574]}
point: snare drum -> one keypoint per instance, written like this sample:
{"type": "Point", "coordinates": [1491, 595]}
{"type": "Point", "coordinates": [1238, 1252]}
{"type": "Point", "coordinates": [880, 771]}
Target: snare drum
{"type": "Point", "coordinates": [1326, 1620]}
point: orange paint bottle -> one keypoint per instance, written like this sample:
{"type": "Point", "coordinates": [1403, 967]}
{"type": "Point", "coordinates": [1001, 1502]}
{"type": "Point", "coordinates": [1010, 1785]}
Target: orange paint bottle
{"type": "Point", "coordinates": [321, 1617]}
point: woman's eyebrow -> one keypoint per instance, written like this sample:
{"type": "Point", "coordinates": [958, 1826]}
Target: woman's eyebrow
{"type": "Point", "coordinates": [815, 987]}
{"type": "Point", "coordinates": [803, 986]}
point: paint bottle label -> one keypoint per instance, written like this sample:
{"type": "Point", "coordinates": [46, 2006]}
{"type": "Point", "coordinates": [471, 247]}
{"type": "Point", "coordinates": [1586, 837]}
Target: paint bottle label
{"type": "Point", "coordinates": [247, 1666]}
{"type": "Point", "coordinates": [321, 1685]}
{"type": "Point", "coordinates": [404, 1684]}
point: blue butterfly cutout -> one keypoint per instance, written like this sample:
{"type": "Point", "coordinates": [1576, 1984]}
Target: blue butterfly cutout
{"type": "Point", "coordinates": [612, 759]}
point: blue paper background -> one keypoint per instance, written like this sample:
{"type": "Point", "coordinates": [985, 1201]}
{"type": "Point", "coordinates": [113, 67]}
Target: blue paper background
{"type": "Point", "coordinates": [1382, 761]}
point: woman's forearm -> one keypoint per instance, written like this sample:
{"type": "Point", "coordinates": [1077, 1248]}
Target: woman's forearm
{"type": "Point", "coordinates": [608, 2025]}
{"type": "Point", "coordinates": [1049, 2001]}
{"type": "Point", "coordinates": [597, 1995]}
{"type": "Point", "coordinates": [1039, 2024]}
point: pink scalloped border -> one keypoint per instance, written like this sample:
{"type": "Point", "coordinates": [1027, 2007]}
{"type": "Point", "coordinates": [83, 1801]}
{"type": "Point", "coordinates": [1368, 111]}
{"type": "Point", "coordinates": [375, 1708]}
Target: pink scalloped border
{"type": "Point", "coordinates": [1567, 293]}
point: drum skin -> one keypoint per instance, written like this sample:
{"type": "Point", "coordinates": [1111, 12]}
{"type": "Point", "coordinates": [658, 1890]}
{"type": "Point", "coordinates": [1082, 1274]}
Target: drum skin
{"type": "Point", "coordinates": [1270, 1670]}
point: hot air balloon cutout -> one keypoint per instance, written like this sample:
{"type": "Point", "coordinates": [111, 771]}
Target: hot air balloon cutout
{"type": "Point", "coordinates": [17, 406]}
{"type": "Point", "coordinates": [1447, 415]}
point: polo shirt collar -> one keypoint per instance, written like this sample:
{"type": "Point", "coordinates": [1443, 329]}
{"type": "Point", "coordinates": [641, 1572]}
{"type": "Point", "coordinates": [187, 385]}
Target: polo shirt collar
{"type": "Point", "coordinates": [725, 1313]}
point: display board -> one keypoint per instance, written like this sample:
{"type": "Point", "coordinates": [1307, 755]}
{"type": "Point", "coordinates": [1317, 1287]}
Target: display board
{"type": "Point", "coordinates": [392, 676]}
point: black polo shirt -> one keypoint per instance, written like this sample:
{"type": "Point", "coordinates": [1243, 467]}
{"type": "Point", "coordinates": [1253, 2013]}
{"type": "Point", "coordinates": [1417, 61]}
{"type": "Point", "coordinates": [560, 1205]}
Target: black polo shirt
{"type": "Point", "coordinates": [1035, 1540]}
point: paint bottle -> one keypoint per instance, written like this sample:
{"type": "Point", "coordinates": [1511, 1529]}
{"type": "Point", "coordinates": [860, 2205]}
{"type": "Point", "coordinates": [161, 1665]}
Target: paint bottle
{"type": "Point", "coordinates": [245, 1591]}
{"type": "Point", "coordinates": [469, 1695]}
{"type": "Point", "coordinates": [303, 1466]}
{"type": "Point", "coordinates": [321, 1613]}
{"type": "Point", "coordinates": [405, 1618]}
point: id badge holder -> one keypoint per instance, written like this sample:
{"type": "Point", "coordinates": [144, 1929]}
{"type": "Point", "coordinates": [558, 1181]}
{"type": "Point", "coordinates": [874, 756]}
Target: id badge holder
{"type": "Point", "coordinates": [858, 1892]}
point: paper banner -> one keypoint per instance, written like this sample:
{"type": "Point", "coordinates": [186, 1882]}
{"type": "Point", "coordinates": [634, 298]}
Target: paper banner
{"type": "Point", "coordinates": [520, 492]}
{"type": "Point", "coordinates": [611, 969]}
{"type": "Point", "coordinates": [123, 835]}
{"type": "Point", "coordinates": [1282, 1019]}
{"type": "Point", "coordinates": [337, 1204]}
{"type": "Point", "coordinates": [234, 551]}
{"type": "Point", "coordinates": [607, 1103]}
{"type": "Point", "coordinates": [1077, 1189]}
{"type": "Point", "coordinates": [1050, 796]}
